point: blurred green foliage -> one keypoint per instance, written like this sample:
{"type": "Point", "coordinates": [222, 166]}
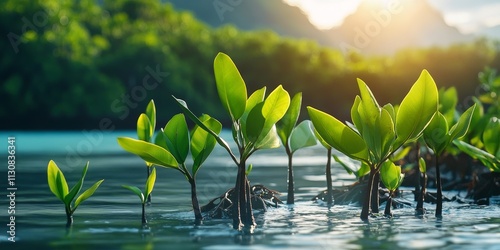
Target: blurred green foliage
{"type": "Point", "coordinates": [69, 64]}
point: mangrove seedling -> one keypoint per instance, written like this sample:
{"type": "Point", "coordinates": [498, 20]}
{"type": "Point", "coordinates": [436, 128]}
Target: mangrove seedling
{"type": "Point", "coordinates": [150, 183]}
{"type": "Point", "coordinates": [294, 137]}
{"type": "Point", "coordinates": [59, 187]}
{"type": "Point", "coordinates": [392, 178]}
{"type": "Point", "coordinates": [438, 136]}
{"type": "Point", "coordinates": [253, 128]}
{"type": "Point", "coordinates": [172, 148]}
{"type": "Point", "coordinates": [145, 130]}
{"type": "Point", "coordinates": [422, 166]}
{"type": "Point", "coordinates": [378, 131]}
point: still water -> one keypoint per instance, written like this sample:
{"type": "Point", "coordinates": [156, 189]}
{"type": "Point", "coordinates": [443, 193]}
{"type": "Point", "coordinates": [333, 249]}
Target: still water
{"type": "Point", "coordinates": [111, 218]}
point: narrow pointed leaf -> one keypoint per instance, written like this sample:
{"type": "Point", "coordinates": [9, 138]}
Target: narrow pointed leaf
{"type": "Point", "coordinates": [177, 134]}
{"type": "Point", "coordinates": [286, 125]}
{"type": "Point", "coordinates": [150, 183]}
{"type": "Point", "coordinates": [448, 99]}
{"type": "Point", "coordinates": [422, 165]}
{"type": "Point", "coordinates": [387, 134]}
{"type": "Point", "coordinates": [489, 160]}
{"type": "Point", "coordinates": [338, 135]}
{"type": "Point", "coordinates": [369, 103]}
{"type": "Point", "coordinates": [491, 137]}
{"type": "Point", "coordinates": [149, 152]}
{"type": "Point", "coordinates": [460, 129]}
{"type": "Point", "coordinates": [275, 107]}
{"type": "Point", "coordinates": [416, 109]}
{"type": "Point", "coordinates": [302, 136]}
{"type": "Point", "coordinates": [271, 140]}
{"type": "Point", "coordinates": [144, 131]}
{"type": "Point", "coordinates": [136, 191]}
{"type": "Point", "coordinates": [202, 143]}
{"type": "Point", "coordinates": [255, 98]}
{"type": "Point", "coordinates": [230, 86]}
{"type": "Point", "coordinates": [76, 189]}
{"type": "Point", "coordinates": [436, 134]}
{"type": "Point", "coordinates": [255, 123]}
{"type": "Point", "coordinates": [356, 118]}
{"type": "Point", "coordinates": [85, 195]}
{"type": "Point", "coordinates": [151, 113]}
{"type": "Point", "coordinates": [57, 183]}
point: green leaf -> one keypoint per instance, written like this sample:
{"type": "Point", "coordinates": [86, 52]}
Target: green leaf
{"type": "Point", "coordinates": [417, 109]}
{"type": "Point", "coordinates": [85, 195]}
{"type": "Point", "coordinates": [254, 99]}
{"type": "Point", "coordinates": [271, 140]}
{"type": "Point", "coordinates": [144, 132]}
{"type": "Point", "coordinates": [320, 139]}
{"type": "Point", "coordinates": [302, 136]}
{"type": "Point", "coordinates": [400, 153]}
{"type": "Point", "coordinates": [202, 143]}
{"type": "Point", "coordinates": [385, 134]}
{"type": "Point", "coordinates": [286, 125]}
{"type": "Point", "coordinates": [448, 99]}
{"type": "Point", "coordinates": [230, 86]}
{"type": "Point", "coordinates": [338, 135]}
{"type": "Point", "coordinates": [436, 134]}
{"type": "Point", "coordinates": [150, 183]}
{"type": "Point", "coordinates": [460, 129]}
{"type": "Point", "coordinates": [391, 175]}
{"type": "Point", "coordinates": [422, 165]}
{"type": "Point", "coordinates": [177, 134]}
{"type": "Point", "coordinates": [249, 169]}
{"type": "Point", "coordinates": [275, 107]}
{"type": "Point", "coordinates": [76, 189]}
{"type": "Point", "coordinates": [491, 137]}
{"type": "Point", "coordinates": [355, 117]}
{"type": "Point", "coordinates": [149, 152]}
{"type": "Point", "coordinates": [161, 139]}
{"type": "Point", "coordinates": [369, 104]}
{"type": "Point", "coordinates": [136, 191]}
{"type": "Point", "coordinates": [56, 180]}
{"type": "Point", "coordinates": [255, 123]}
{"type": "Point", "coordinates": [151, 113]}
{"type": "Point", "coordinates": [489, 160]}
{"type": "Point", "coordinates": [197, 121]}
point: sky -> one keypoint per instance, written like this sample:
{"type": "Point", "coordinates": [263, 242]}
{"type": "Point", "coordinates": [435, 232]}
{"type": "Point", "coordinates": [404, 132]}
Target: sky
{"type": "Point", "coordinates": [469, 16]}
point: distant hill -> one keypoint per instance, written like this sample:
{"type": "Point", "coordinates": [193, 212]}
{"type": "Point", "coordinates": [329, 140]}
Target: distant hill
{"type": "Point", "coordinates": [370, 29]}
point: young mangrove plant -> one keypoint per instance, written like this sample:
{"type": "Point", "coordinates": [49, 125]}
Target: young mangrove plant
{"type": "Point", "coordinates": [253, 128]}
{"type": "Point", "coordinates": [150, 183]}
{"type": "Point", "coordinates": [391, 178]}
{"type": "Point", "coordinates": [294, 138]}
{"type": "Point", "coordinates": [438, 136]}
{"type": "Point", "coordinates": [145, 130]}
{"type": "Point", "coordinates": [172, 147]}
{"type": "Point", "coordinates": [422, 166]}
{"type": "Point", "coordinates": [378, 131]}
{"type": "Point", "coordinates": [59, 187]}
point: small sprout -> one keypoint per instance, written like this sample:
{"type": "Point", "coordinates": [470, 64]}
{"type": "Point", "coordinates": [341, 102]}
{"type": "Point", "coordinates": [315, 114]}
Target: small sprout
{"type": "Point", "coordinates": [59, 187]}
{"type": "Point", "coordinates": [150, 183]}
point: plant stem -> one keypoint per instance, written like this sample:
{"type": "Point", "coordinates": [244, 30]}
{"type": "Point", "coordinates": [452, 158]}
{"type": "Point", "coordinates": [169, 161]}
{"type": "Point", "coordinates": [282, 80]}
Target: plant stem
{"type": "Point", "coordinates": [69, 217]}
{"type": "Point", "coordinates": [418, 174]}
{"type": "Point", "coordinates": [236, 205]}
{"type": "Point", "coordinates": [194, 200]}
{"type": "Point", "coordinates": [291, 197]}
{"type": "Point", "coordinates": [421, 198]}
{"type": "Point", "coordinates": [388, 205]}
{"type": "Point", "coordinates": [148, 172]}
{"type": "Point", "coordinates": [365, 211]}
{"type": "Point", "coordinates": [329, 188]}
{"type": "Point", "coordinates": [375, 195]}
{"type": "Point", "coordinates": [144, 221]}
{"type": "Point", "coordinates": [439, 198]}
{"type": "Point", "coordinates": [249, 220]}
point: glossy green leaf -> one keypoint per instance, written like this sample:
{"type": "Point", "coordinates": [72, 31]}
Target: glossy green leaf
{"type": "Point", "coordinates": [249, 169]}
{"type": "Point", "coordinates": [230, 86]}
{"type": "Point", "coordinates": [436, 134]}
{"type": "Point", "coordinates": [136, 191]}
{"type": "Point", "coordinates": [202, 143]}
{"type": "Point", "coordinates": [460, 129]}
{"type": "Point", "coordinates": [275, 107]}
{"type": "Point", "coordinates": [391, 110]}
{"type": "Point", "coordinates": [355, 117]}
{"type": "Point", "coordinates": [197, 121]}
{"type": "Point", "coordinates": [144, 131]}
{"type": "Point", "coordinates": [359, 169]}
{"type": "Point", "coordinates": [150, 183]}
{"type": "Point", "coordinates": [148, 152]}
{"type": "Point", "coordinates": [76, 188]}
{"type": "Point", "coordinates": [417, 109]}
{"type": "Point", "coordinates": [385, 135]}
{"type": "Point", "coordinates": [489, 160]}
{"type": "Point", "coordinates": [161, 139]}
{"type": "Point", "coordinates": [85, 195]}
{"type": "Point", "coordinates": [370, 105]}
{"type": "Point", "coordinates": [255, 98]}
{"type": "Point", "coordinates": [448, 99]}
{"type": "Point", "coordinates": [320, 139]}
{"type": "Point", "coordinates": [177, 134]}
{"type": "Point", "coordinates": [422, 165]}
{"type": "Point", "coordinates": [391, 175]}
{"type": "Point", "coordinates": [400, 153]}
{"type": "Point", "coordinates": [255, 123]}
{"type": "Point", "coordinates": [491, 137]}
{"type": "Point", "coordinates": [286, 125]}
{"type": "Point", "coordinates": [151, 113]}
{"type": "Point", "coordinates": [57, 183]}
{"type": "Point", "coordinates": [302, 136]}
{"type": "Point", "coordinates": [338, 135]}
{"type": "Point", "coordinates": [271, 140]}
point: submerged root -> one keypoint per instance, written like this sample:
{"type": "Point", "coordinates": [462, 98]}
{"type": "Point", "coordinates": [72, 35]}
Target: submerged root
{"type": "Point", "coordinates": [221, 207]}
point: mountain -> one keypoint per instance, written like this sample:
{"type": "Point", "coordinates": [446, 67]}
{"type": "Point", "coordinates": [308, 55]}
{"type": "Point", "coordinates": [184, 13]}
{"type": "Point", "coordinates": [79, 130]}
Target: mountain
{"type": "Point", "coordinates": [275, 15]}
{"type": "Point", "coordinates": [372, 29]}
{"type": "Point", "coordinates": [386, 28]}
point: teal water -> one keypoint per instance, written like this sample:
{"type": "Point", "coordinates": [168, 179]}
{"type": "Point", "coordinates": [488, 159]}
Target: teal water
{"type": "Point", "coordinates": [111, 218]}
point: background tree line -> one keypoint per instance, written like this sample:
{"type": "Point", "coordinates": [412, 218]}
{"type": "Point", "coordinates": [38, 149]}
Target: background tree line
{"type": "Point", "coordinates": [68, 65]}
